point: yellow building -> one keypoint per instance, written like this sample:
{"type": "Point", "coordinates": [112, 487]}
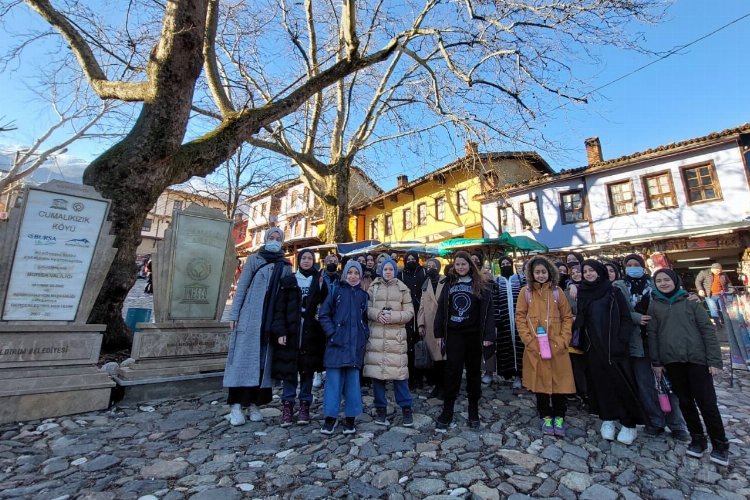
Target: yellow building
{"type": "Point", "coordinates": [443, 204]}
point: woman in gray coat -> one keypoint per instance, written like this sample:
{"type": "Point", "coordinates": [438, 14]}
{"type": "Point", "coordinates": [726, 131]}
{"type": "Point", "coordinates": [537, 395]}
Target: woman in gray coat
{"type": "Point", "coordinates": [248, 371]}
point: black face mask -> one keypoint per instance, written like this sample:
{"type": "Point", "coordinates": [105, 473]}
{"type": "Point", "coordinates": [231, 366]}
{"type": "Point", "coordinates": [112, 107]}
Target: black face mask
{"type": "Point", "coordinates": [331, 267]}
{"type": "Point", "coordinates": [411, 265]}
{"type": "Point", "coordinates": [506, 271]}
{"type": "Point", "coordinates": [432, 273]}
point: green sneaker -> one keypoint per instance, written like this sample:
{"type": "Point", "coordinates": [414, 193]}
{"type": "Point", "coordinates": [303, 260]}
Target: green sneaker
{"type": "Point", "coordinates": [559, 427]}
{"type": "Point", "coordinates": [547, 427]}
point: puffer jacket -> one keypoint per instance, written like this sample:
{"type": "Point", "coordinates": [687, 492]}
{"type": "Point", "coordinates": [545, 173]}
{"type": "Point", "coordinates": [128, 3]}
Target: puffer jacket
{"type": "Point", "coordinates": [386, 353]}
{"type": "Point", "coordinates": [680, 331]}
{"type": "Point", "coordinates": [705, 278]}
{"type": "Point", "coordinates": [343, 317]}
{"type": "Point", "coordinates": [541, 306]}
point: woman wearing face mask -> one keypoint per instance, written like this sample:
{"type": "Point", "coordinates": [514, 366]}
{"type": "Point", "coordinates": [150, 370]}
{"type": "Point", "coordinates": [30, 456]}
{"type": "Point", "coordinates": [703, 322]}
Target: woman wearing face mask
{"type": "Point", "coordinates": [413, 276]}
{"type": "Point", "coordinates": [389, 309]}
{"type": "Point", "coordinates": [605, 329]}
{"type": "Point", "coordinates": [465, 322]}
{"type": "Point", "coordinates": [299, 340]}
{"type": "Point", "coordinates": [431, 290]}
{"type": "Point", "coordinates": [577, 358]}
{"type": "Point", "coordinates": [683, 342]}
{"type": "Point", "coordinates": [564, 279]}
{"type": "Point", "coordinates": [509, 344]}
{"type": "Point", "coordinates": [637, 287]}
{"type": "Point", "coordinates": [248, 370]}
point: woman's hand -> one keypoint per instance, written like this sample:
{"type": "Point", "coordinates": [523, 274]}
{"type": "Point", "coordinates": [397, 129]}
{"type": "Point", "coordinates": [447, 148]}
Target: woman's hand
{"type": "Point", "coordinates": [573, 291]}
{"type": "Point", "coordinates": [487, 343]}
{"type": "Point", "coordinates": [645, 319]}
{"type": "Point", "coordinates": [422, 331]}
{"type": "Point", "coordinates": [658, 371]}
{"type": "Point", "coordinates": [282, 340]}
{"type": "Point", "coordinates": [714, 371]}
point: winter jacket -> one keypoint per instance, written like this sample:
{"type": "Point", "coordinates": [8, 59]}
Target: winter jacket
{"type": "Point", "coordinates": [681, 332]}
{"type": "Point", "coordinates": [486, 318]}
{"type": "Point", "coordinates": [545, 376]}
{"type": "Point", "coordinates": [385, 355]}
{"type": "Point", "coordinates": [426, 316]}
{"type": "Point", "coordinates": [343, 317]}
{"type": "Point", "coordinates": [705, 278]}
{"type": "Point", "coordinates": [305, 341]}
{"type": "Point", "coordinates": [608, 323]}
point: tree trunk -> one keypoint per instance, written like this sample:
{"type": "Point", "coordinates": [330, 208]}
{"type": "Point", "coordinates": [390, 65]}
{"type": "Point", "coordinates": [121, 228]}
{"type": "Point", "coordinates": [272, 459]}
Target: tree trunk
{"type": "Point", "coordinates": [336, 204]}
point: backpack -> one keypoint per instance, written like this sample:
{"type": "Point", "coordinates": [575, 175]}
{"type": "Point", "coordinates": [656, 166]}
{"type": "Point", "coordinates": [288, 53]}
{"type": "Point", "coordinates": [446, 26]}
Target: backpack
{"type": "Point", "coordinates": [555, 294]}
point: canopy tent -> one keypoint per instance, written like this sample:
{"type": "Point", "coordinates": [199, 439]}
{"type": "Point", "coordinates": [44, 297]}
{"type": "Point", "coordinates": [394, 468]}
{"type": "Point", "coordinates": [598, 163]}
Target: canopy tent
{"type": "Point", "coordinates": [399, 246]}
{"type": "Point", "coordinates": [504, 243]}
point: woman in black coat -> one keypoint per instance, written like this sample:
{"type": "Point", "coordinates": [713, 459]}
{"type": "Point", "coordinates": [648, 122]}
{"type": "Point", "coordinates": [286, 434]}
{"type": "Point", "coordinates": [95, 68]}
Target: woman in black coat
{"type": "Point", "coordinates": [604, 322]}
{"type": "Point", "coordinates": [300, 342]}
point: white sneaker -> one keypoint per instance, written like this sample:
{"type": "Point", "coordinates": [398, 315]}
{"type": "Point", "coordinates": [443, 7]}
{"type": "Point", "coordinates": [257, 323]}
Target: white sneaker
{"type": "Point", "coordinates": [255, 414]}
{"type": "Point", "coordinates": [487, 378]}
{"type": "Point", "coordinates": [608, 430]}
{"type": "Point", "coordinates": [627, 435]}
{"type": "Point", "coordinates": [236, 415]}
{"type": "Point", "coordinates": [317, 380]}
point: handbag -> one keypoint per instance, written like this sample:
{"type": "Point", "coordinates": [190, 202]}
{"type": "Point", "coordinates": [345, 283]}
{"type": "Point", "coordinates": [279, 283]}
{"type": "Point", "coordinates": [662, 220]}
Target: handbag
{"type": "Point", "coordinates": [422, 357]}
{"type": "Point", "coordinates": [664, 388]}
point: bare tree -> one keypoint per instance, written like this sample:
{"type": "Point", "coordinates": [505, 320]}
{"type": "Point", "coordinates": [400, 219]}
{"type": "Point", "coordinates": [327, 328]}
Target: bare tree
{"type": "Point", "coordinates": [7, 126]}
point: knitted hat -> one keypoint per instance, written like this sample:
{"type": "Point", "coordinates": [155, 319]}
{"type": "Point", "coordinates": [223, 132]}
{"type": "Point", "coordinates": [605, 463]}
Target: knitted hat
{"type": "Point", "coordinates": [351, 263]}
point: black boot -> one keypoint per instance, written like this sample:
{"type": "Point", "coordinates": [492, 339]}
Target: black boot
{"type": "Point", "coordinates": [443, 422]}
{"type": "Point", "coordinates": [474, 414]}
{"type": "Point", "coordinates": [697, 446]}
{"type": "Point", "coordinates": [720, 452]}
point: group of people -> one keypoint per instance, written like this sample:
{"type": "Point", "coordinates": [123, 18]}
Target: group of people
{"type": "Point", "coordinates": [600, 332]}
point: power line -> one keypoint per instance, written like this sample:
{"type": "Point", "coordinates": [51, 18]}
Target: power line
{"type": "Point", "coordinates": [665, 56]}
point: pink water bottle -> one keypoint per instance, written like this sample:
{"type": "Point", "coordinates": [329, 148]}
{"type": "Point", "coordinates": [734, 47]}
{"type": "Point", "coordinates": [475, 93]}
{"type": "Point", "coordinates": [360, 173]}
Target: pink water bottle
{"type": "Point", "coordinates": [544, 349]}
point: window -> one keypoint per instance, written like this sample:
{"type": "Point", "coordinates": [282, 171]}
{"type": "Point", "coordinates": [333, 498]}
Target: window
{"type": "Point", "coordinates": [262, 209]}
{"type": "Point", "coordinates": [255, 211]}
{"type": "Point", "coordinates": [462, 201]}
{"type": "Point", "coordinates": [701, 183]}
{"type": "Point", "coordinates": [571, 206]}
{"type": "Point", "coordinates": [297, 229]}
{"type": "Point", "coordinates": [507, 219]}
{"type": "Point", "coordinates": [440, 208]}
{"type": "Point", "coordinates": [658, 190]}
{"type": "Point", "coordinates": [422, 214]}
{"type": "Point", "coordinates": [295, 198]}
{"type": "Point", "coordinates": [374, 229]}
{"type": "Point", "coordinates": [621, 198]}
{"type": "Point", "coordinates": [147, 225]}
{"type": "Point", "coordinates": [407, 218]}
{"type": "Point", "coordinates": [177, 205]}
{"type": "Point", "coordinates": [389, 225]}
{"type": "Point", "coordinates": [530, 215]}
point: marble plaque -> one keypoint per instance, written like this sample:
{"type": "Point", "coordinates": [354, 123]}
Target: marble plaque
{"type": "Point", "coordinates": [180, 343]}
{"type": "Point", "coordinates": [199, 257]}
{"type": "Point", "coordinates": [56, 243]}
{"type": "Point", "coordinates": [47, 349]}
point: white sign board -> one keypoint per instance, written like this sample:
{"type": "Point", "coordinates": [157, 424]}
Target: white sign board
{"type": "Point", "coordinates": [55, 246]}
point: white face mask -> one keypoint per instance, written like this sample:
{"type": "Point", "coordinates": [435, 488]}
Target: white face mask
{"type": "Point", "coordinates": [273, 246]}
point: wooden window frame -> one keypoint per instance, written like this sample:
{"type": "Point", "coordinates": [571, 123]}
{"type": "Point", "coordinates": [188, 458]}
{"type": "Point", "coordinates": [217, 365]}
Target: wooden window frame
{"type": "Point", "coordinates": [404, 219]}
{"type": "Point", "coordinates": [462, 209]}
{"type": "Point", "coordinates": [502, 209]}
{"type": "Point", "coordinates": [386, 231]}
{"type": "Point", "coordinates": [426, 214]}
{"type": "Point", "coordinates": [525, 224]}
{"type": "Point", "coordinates": [647, 195]}
{"type": "Point", "coordinates": [149, 222]}
{"type": "Point", "coordinates": [563, 211]}
{"type": "Point", "coordinates": [374, 230]}
{"type": "Point", "coordinates": [714, 181]}
{"type": "Point", "coordinates": [437, 203]}
{"type": "Point", "coordinates": [611, 202]}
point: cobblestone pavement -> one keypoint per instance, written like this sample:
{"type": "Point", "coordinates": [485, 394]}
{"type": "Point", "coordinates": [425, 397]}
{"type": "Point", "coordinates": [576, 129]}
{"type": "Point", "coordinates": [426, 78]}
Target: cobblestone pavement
{"type": "Point", "coordinates": [174, 449]}
{"type": "Point", "coordinates": [186, 449]}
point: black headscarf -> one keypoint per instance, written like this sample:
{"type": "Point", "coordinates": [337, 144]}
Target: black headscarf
{"type": "Point", "coordinates": [564, 277]}
{"type": "Point", "coordinates": [506, 271]}
{"type": "Point", "coordinates": [589, 291]}
{"type": "Point", "coordinates": [610, 263]}
{"type": "Point", "coordinates": [305, 272]}
{"type": "Point", "coordinates": [577, 255]}
{"type": "Point", "coordinates": [634, 256]}
{"type": "Point", "coordinates": [676, 279]}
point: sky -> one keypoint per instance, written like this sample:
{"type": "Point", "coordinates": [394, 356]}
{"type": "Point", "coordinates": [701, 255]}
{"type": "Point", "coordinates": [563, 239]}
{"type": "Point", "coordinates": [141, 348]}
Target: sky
{"type": "Point", "coordinates": [698, 90]}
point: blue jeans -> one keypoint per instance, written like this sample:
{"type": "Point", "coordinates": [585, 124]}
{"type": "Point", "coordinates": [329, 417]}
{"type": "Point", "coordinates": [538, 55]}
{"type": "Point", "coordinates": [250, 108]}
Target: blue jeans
{"type": "Point", "coordinates": [649, 398]}
{"type": "Point", "coordinates": [713, 306]}
{"type": "Point", "coordinates": [289, 391]}
{"type": "Point", "coordinates": [342, 381]}
{"type": "Point", "coordinates": [400, 390]}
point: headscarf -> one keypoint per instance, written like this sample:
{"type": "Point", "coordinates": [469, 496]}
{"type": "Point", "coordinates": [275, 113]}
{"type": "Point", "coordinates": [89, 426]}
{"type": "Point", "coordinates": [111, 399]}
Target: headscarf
{"type": "Point", "coordinates": [433, 277]}
{"type": "Point", "coordinates": [268, 255]}
{"type": "Point", "coordinates": [670, 296]}
{"type": "Point", "coordinates": [480, 256]}
{"type": "Point", "coordinates": [610, 263]}
{"type": "Point", "coordinates": [349, 264]}
{"type": "Point", "coordinates": [564, 277]}
{"type": "Point", "coordinates": [391, 262]}
{"type": "Point", "coordinates": [634, 256]}
{"type": "Point", "coordinates": [506, 271]}
{"type": "Point", "coordinates": [588, 292]}
{"type": "Point", "coordinates": [305, 272]}
{"type": "Point", "coordinates": [578, 256]}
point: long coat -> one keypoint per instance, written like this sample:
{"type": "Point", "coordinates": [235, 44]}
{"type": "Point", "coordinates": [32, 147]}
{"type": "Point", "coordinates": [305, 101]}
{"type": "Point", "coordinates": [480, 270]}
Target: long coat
{"type": "Point", "coordinates": [509, 344]}
{"type": "Point", "coordinates": [426, 316]}
{"type": "Point", "coordinates": [249, 350]}
{"type": "Point", "coordinates": [545, 376]}
{"type": "Point", "coordinates": [386, 353]}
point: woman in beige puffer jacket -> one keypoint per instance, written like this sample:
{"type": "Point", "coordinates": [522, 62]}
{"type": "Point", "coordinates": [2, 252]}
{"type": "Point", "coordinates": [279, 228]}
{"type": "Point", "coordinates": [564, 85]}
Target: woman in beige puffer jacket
{"type": "Point", "coordinates": [389, 309]}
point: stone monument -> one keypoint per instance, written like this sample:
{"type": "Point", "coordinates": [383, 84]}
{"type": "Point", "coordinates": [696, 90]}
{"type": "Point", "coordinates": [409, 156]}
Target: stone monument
{"type": "Point", "coordinates": [185, 350]}
{"type": "Point", "coordinates": [55, 251]}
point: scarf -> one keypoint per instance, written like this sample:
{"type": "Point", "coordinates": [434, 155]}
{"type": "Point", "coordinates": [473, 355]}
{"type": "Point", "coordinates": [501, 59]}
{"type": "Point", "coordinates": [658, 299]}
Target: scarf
{"type": "Point", "coordinates": [588, 292]}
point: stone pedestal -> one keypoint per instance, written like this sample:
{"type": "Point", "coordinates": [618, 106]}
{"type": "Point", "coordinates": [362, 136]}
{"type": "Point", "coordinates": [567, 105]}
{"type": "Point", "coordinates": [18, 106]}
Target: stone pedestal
{"type": "Point", "coordinates": [174, 359]}
{"type": "Point", "coordinates": [48, 371]}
